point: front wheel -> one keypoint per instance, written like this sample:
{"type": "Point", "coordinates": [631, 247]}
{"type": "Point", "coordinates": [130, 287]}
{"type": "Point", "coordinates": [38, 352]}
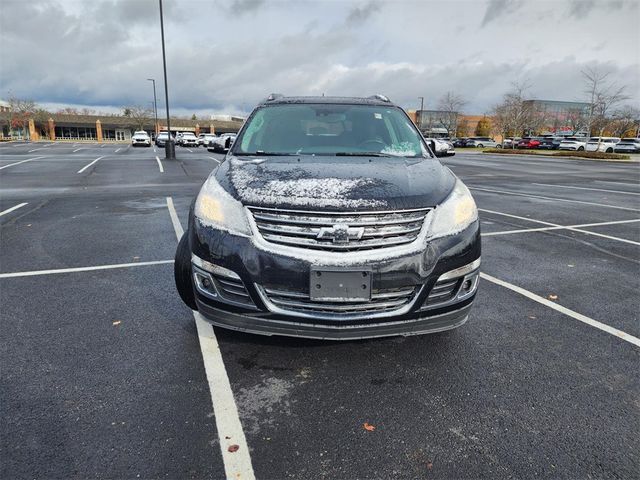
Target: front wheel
{"type": "Point", "coordinates": [182, 272]}
{"type": "Point", "coordinates": [580, 149]}
{"type": "Point", "coordinates": [480, 145]}
{"type": "Point", "coordinates": [609, 150]}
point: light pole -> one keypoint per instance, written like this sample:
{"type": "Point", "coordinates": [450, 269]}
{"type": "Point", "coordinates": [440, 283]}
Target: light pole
{"type": "Point", "coordinates": [169, 147]}
{"type": "Point", "coordinates": [421, 108]}
{"type": "Point", "coordinates": [155, 105]}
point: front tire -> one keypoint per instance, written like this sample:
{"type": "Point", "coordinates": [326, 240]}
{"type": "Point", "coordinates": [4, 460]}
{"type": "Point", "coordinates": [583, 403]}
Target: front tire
{"type": "Point", "coordinates": [182, 272]}
{"type": "Point", "coordinates": [609, 150]}
{"type": "Point", "coordinates": [581, 149]}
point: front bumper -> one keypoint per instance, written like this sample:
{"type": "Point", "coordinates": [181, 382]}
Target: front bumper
{"type": "Point", "coordinates": [254, 272]}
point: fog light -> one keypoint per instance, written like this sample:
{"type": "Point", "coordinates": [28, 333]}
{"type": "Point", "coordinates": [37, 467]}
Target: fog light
{"type": "Point", "coordinates": [466, 286]}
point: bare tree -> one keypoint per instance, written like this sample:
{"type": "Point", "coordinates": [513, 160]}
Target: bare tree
{"type": "Point", "coordinates": [68, 111]}
{"type": "Point", "coordinates": [139, 114]}
{"type": "Point", "coordinates": [624, 120]}
{"type": "Point", "coordinates": [602, 96]}
{"type": "Point", "coordinates": [19, 112]}
{"type": "Point", "coordinates": [515, 116]}
{"type": "Point", "coordinates": [450, 105]}
{"type": "Point", "coordinates": [576, 119]}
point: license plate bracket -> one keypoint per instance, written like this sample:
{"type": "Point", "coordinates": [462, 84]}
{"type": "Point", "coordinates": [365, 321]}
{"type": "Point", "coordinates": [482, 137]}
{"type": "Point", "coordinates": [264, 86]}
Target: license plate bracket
{"type": "Point", "coordinates": [326, 285]}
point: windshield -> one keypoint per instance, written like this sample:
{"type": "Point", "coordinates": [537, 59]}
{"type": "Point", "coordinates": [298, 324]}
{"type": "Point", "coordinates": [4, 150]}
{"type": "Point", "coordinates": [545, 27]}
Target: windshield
{"type": "Point", "coordinates": [329, 129]}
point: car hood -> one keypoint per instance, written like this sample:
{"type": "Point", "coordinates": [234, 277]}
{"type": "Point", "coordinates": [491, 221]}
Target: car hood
{"type": "Point", "coordinates": [336, 183]}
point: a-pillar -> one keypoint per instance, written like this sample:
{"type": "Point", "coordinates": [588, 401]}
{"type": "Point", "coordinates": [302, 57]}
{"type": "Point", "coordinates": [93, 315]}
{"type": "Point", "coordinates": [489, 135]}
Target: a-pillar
{"type": "Point", "coordinates": [197, 129]}
{"type": "Point", "coordinates": [52, 129]}
{"type": "Point", "coordinates": [212, 129]}
{"type": "Point", "coordinates": [33, 135]}
{"type": "Point", "coordinates": [99, 131]}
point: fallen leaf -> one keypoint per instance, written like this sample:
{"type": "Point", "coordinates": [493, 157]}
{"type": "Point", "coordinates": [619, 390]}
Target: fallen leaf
{"type": "Point", "coordinates": [429, 465]}
{"type": "Point", "coordinates": [552, 296]}
{"type": "Point", "coordinates": [233, 448]}
{"type": "Point", "coordinates": [228, 438]}
{"type": "Point", "coordinates": [117, 322]}
{"type": "Point", "coordinates": [368, 428]}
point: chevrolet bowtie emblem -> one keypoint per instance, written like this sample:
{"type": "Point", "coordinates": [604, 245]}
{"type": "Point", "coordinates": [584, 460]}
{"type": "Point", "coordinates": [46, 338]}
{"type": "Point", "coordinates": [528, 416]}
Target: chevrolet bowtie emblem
{"type": "Point", "coordinates": [340, 233]}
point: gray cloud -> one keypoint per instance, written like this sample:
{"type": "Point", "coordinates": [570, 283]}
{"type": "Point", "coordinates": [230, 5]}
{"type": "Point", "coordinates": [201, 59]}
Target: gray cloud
{"type": "Point", "coordinates": [499, 8]}
{"type": "Point", "coordinates": [99, 54]}
{"type": "Point", "coordinates": [360, 14]}
{"type": "Point", "coordinates": [244, 6]}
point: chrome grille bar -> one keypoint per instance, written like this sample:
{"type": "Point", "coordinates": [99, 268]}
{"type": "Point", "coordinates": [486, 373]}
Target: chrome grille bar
{"type": "Point", "coordinates": [317, 230]}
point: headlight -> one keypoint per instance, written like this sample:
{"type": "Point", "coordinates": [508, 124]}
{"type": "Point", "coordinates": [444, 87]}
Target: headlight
{"type": "Point", "coordinates": [455, 214]}
{"type": "Point", "coordinates": [216, 208]}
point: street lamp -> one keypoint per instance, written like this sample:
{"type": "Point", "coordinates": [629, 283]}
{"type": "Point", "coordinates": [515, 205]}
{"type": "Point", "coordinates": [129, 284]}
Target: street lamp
{"type": "Point", "coordinates": [155, 105]}
{"type": "Point", "coordinates": [169, 146]}
{"type": "Point", "coordinates": [421, 108]}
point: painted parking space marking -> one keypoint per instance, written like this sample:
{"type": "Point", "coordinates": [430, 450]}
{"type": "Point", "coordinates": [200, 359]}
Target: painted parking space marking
{"type": "Point", "coordinates": [555, 199]}
{"type": "Point", "coordinates": [159, 164]}
{"type": "Point", "coordinates": [566, 311]}
{"type": "Point", "coordinates": [237, 463]}
{"type": "Point", "coordinates": [21, 161]}
{"type": "Point", "coordinates": [618, 183]}
{"type": "Point", "coordinates": [117, 150]}
{"type": "Point", "coordinates": [41, 148]}
{"type": "Point", "coordinates": [189, 150]}
{"type": "Point", "coordinates": [555, 226]}
{"type": "Point", "coordinates": [89, 164]}
{"type": "Point", "coordinates": [9, 210]}
{"type": "Point", "coordinates": [586, 188]}
{"type": "Point", "coordinates": [214, 159]}
{"type": "Point", "coordinates": [56, 271]}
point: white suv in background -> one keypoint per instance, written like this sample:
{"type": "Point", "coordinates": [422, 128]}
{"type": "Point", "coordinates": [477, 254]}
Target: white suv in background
{"type": "Point", "coordinates": [141, 138]}
{"type": "Point", "coordinates": [188, 139]}
{"type": "Point", "coordinates": [602, 144]}
{"type": "Point", "coordinates": [482, 142]}
{"type": "Point", "coordinates": [572, 143]}
{"type": "Point", "coordinates": [628, 145]}
{"type": "Point", "coordinates": [205, 138]}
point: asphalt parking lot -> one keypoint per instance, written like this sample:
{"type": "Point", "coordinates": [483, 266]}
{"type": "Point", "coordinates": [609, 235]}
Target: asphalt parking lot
{"type": "Point", "coordinates": [103, 375]}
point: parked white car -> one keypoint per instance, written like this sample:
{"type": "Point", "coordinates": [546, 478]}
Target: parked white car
{"type": "Point", "coordinates": [187, 139]}
{"type": "Point", "coordinates": [205, 138]}
{"type": "Point", "coordinates": [576, 144]}
{"type": "Point", "coordinates": [442, 148]}
{"type": "Point", "coordinates": [222, 143]}
{"type": "Point", "coordinates": [628, 145]}
{"type": "Point", "coordinates": [602, 144]}
{"type": "Point", "coordinates": [140, 138]}
{"type": "Point", "coordinates": [482, 142]}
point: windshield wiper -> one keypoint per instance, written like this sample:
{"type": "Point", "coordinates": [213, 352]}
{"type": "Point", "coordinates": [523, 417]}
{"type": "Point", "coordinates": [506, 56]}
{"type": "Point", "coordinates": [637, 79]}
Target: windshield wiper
{"type": "Point", "coordinates": [260, 153]}
{"type": "Point", "coordinates": [362, 154]}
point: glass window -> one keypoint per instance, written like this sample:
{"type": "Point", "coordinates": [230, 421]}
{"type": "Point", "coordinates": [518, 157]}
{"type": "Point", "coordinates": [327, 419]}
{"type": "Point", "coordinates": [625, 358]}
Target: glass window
{"type": "Point", "coordinates": [330, 129]}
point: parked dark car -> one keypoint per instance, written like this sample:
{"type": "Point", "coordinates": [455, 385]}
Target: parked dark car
{"type": "Point", "coordinates": [330, 218]}
{"type": "Point", "coordinates": [550, 143]}
{"type": "Point", "coordinates": [460, 142]}
{"type": "Point", "coordinates": [528, 142]}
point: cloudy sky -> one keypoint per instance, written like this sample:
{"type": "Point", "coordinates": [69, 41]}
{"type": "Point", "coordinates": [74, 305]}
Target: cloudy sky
{"type": "Point", "coordinates": [224, 56]}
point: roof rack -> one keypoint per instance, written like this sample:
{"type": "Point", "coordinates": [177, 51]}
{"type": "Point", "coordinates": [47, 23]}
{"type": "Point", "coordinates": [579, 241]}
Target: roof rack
{"type": "Point", "coordinates": [274, 96]}
{"type": "Point", "coordinates": [378, 96]}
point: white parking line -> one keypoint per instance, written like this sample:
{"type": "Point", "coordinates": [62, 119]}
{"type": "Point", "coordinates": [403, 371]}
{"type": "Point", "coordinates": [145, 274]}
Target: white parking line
{"type": "Point", "coordinates": [34, 273]}
{"type": "Point", "coordinates": [215, 159]}
{"type": "Point", "coordinates": [21, 161]}
{"type": "Point", "coordinates": [87, 166]}
{"type": "Point", "coordinates": [618, 183]}
{"type": "Point", "coordinates": [189, 150]}
{"type": "Point", "coordinates": [566, 311]}
{"type": "Point", "coordinates": [555, 226]}
{"type": "Point", "coordinates": [159, 164]}
{"type": "Point", "coordinates": [237, 463]}
{"type": "Point", "coordinates": [9, 210]}
{"type": "Point", "coordinates": [117, 150]}
{"type": "Point", "coordinates": [556, 199]}
{"type": "Point", "coordinates": [76, 150]}
{"type": "Point", "coordinates": [41, 148]}
{"type": "Point", "coordinates": [585, 188]}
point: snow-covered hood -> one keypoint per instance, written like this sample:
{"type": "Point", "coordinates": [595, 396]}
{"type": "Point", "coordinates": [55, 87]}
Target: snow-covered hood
{"type": "Point", "coordinates": [336, 183]}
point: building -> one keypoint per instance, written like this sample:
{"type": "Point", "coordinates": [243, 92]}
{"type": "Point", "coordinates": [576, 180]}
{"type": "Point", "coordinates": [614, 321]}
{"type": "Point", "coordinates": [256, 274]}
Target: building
{"type": "Point", "coordinates": [560, 117]}
{"type": "Point", "coordinates": [102, 128]}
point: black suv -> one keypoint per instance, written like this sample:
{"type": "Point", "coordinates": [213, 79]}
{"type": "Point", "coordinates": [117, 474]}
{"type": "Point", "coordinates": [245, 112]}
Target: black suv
{"type": "Point", "coordinates": [331, 218]}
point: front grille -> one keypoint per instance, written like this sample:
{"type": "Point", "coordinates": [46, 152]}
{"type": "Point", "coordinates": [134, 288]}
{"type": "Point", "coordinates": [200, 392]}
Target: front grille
{"type": "Point", "coordinates": [442, 291]}
{"type": "Point", "coordinates": [387, 300]}
{"type": "Point", "coordinates": [355, 230]}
